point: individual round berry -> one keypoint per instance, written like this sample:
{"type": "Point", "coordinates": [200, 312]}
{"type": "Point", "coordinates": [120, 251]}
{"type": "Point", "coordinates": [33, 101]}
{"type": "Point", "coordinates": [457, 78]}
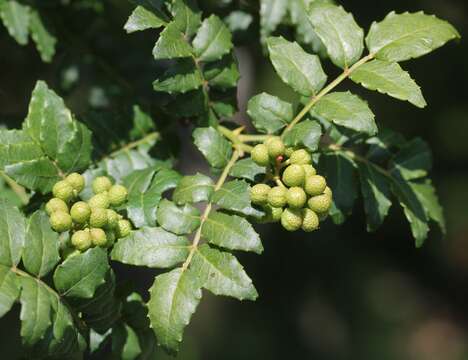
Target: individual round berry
{"type": "Point", "coordinates": [81, 240]}
{"type": "Point", "coordinates": [319, 203]}
{"type": "Point", "coordinates": [275, 147]}
{"type": "Point", "coordinates": [296, 197]}
{"type": "Point", "coordinates": [293, 175]}
{"type": "Point", "coordinates": [61, 221]}
{"type": "Point", "coordinates": [300, 157]}
{"type": "Point", "coordinates": [98, 237]}
{"type": "Point", "coordinates": [77, 181]}
{"type": "Point", "coordinates": [328, 192]}
{"type": "Point", "coordinates": [123, 228]}
{"type": "Point", "coordinates": [101, 184]}
{"type": "Point", "coordinates": [315, 185]}
{"type": "Point", "coordinates": [272, 214]}
{"type": "Point", "coordinates": [63, 190]}
{"type": "Point", "coordinates": [56, 204]}
{"type": "Point", "coordinates": [277, 196]}
{"type": "Point", "coordinates": [309, 170]}
{"type": "Point", "coordinates": [259, 155]}
{"type": "Point", "coordinates": [98, 218]}
{"type": "Point", "coordinates": [117, 195]}
{"type": "Point", "coordinates": [112, 219]}
{"type": "Point", "coordinates": [100, 200]}
{"type": "Point", "coordinates": [310, 220]}
{"type": "Point", "coordinates": [80, 212]}
{"type": "Point", "coordinates": [259, 194]}
{"type": "Point", "coordinates": [291, 219]}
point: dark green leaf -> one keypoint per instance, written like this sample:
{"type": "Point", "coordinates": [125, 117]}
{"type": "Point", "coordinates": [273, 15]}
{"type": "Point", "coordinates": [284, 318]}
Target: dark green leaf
{"type": "Point", "coordinates": [172, 44]}
{"type": "Point", "coordinates": [192, 189]}
{"type": "Point", "coordinates": [246, 169]}
{"type": "Point", "coordinates": [269, 113]}
{"type": "Point", "coordinates": [125, 343]}
{"type": "Point", "coordinates": [213, 145]}
{"type": "Point", "coordinates": [306, 133]}
{"type": "Point", "coordinates": [426, 194]}
{"type": "Point", "coordinates": [235, 196]}
{"type": "Point", "coordinates": [213, 40]}
{"type": "Point", "coordinates": [12, 234]}
{"type": "Point", "coordinates": [142, 19]}
{"type": "Point", "coordinates": [187, 16]}
{"type": "Point", "coordinates": [9, 289]}
{"type": "Point", "coordinates": [183, 76]}
{"type": "Point", "coordinates": [142, 123]}
{"type": "Point", "coordinates": [178, 220]}
{"type": "Point", "coordinates": [272, 13]}
{"type": "Point", "coordinates": [39, 174]}
{"type": "Point", "coordinates": [45, 41]}
{"type": "Point", "coordinates": [222, 74]}
{"type": "Point", "coordinates": [16, 19]}
{"type": "Point", "coordinates": [413, 161]}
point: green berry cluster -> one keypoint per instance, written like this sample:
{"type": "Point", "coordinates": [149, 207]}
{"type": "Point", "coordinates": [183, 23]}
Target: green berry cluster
{"type": "Point", "coordinates": [301, 197]}
{"type": "Point", "coordinates": [91, 223]}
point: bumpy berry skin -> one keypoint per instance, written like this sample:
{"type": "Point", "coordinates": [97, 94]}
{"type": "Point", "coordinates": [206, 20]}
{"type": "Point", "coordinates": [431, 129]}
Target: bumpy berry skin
{"type": "Point", "coordinates": [112, 219]}
{"type": "Point", "coordinates": [300, 157]}
{"type": "Point", "coordinates": [56, 204]}
{"type": "Point", "coordinates": [291, 219]}
{"type": "Point", "coordinates": [315, 185]}
{"type": "Point", "coordinates": [98, 218]}
{"type": "Point", "coordinates": [117, 195]}
{"type": "Point", "coordinates": [259, 194]}
{"type": "Point", "coordinates": [81, 240]}
{"type": "Point", "coordinates": [100, 200]}
{"type": "Point", "coordinates": [275, 147]}
{"type": "Point", "coordinates": [296, 197]}
{"type": "Point", "coordinates": [80, 212]}
{"type": "Point", "coordinates": [260, 155]}
{"type": "Point", "coordinates": [277, 196]}
{"type": "Point", "coordinates": [310, 220]}
{"type": "Point", "coordinates": [77, 181]}
{"type": "Point", "coordinates": [309, 170]}
{"type": "Point", "coordinates": [293, 175]}
{"type": "Point", "coordinates": [61, 221]}
{"type": "Point", "coordinates": [124, 228]}
{"type": "Point", "coordinates": [319, 203]}
{"type": "Point", "coordinates": [98, 237]}
{"type": "Point", "coordinates": [63, 190]}
{"type": "Point", "coordinates": [328, 192]}
{"type": "Point", "coordinates": [101, 184]}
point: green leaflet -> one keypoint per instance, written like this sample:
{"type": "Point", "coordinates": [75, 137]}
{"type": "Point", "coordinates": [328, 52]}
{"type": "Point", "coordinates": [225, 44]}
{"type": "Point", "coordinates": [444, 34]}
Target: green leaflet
{"type": "Point", "coordinates": [401, 37]}
{"type": "Point", "coordinates": [171, 44]}
{"type": "Point", "coordinates": [183, 76]}
{"type": "Point", "coordinates": [216, 149]}
{"type": "Point", "coordinates": [222, 74]}
{"type": "Point", "coordinates": [9, 289]}
{"type": "Point", "coordinates": [142, 19]}
{"type": "Point", "coordinates": [338, 31]}
{"type": "Point", "coordinates": [151, 247]}
{"type": "Point", "coordinates": [38, 174]}
{"type": "Point", "coordinates": [306, 133]}
{"type": "Point", "coordinates": [45, 41]}
{"type": "Point", "coordinates": [125, 344]}
{"type": "Point", "coordinates": [389, 78]}
{"type": "Point", "coordinates": [187, 16]}
{"type": "Point", "coordinates": [16, 18]}
{"type": "Point", "coordinates": [213, 40]}
{"type": "Point", "coordinates": [272, 13]}
{"type": "Point", "coordinates": [246, 169]}
{"type": "Point", "coordinates": [192, 189]}
{"type": "Point", "coordinates": [300, 70]}
{"type": "Point", "coordinates": [12, 234]}
{"type": "Point", "coordinates": [235, 196]}
{"type": "Point", "coordinates": [231, 232]}
{"type": "Point", "coordinates": [178, 220]}
{"type": "Point", "coordinates": [426, 194]}
{"type": "Point", "coordinates": [269, 113]}
{"type": "Point", "coordinates": [413, 161]}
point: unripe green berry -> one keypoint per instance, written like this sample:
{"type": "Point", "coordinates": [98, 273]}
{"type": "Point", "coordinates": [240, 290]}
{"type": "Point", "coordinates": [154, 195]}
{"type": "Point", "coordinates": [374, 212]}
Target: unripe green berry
{"type": "Point", "coordinates": [296, 197]}
{"type": "Point", "coordinates": [98, 237]}
{"type": "Point", "coordinates": [100, 200]}
{"type": "Point", "coordinates": [61, 221]}
{"type": "Point", "coordinates": [291, 219]}
{"type": "Point", "coordinates": [319, 203]}
{"type": "Point", "coordinates": [117, 195]}
{"type": "Point", "coordinates": [63, 190]}
{"type": "Point", "coordinates": [288, 152]}
{"type": "Point", "coordinates": [259, 194]}
{"type": "Point", "coordinates": [123, 228]}
{"type": "Point", "coordinates": [77, 181]}
{"type": "Point", "coordinates": [101, 184]}
{"type": "Point", "coordinates": [98, 218]}
{"type": "Point", "coordinates": [293, 175]}
{"type": "Point", "coordinates": [275, 148]}
{"type": "Point", "coordinates": [260, 155]}
{"type": "Point", "coordinates": [80, 212]}
{"type": "Point", "coordinates": [315, 185]}
{"type": "Point", "coordinates": [328, 192]}
{"type": "Point", "coordinates": [81, 240]}
{"type": "Point", "coordinates": [309, 170]}
{"type": "Point", "coordinates": [310, 220]}
{"type": "Point", "coordinates": [300, 157]}
{"type": "Point", "coordinates": [56, 204]}
{"type": "Point", "coordinates": [277, 196]}
{"type": "Point", "coordinates": [272, 214]}
{"type": "Point", "coordinates": [112, 219]}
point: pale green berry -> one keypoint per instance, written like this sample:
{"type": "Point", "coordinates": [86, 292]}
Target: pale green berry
{"type": "Point", "coordinates": [288, 152]}
{"type": "Point", "coordinates": [309, 170]}
{"type": "Point", "coordinates": [293, 175]}
{"type": "Point", "coordinates": [81, 240]}
{"type": "Point", "coordinates": [277, 196]}
{"type": "Point", "coordinates": [300, 157]}
{"type": "Point", "coordinates": [98, 237]}
{"type": "Point", "coordinates": [328, 192]}
{"type": "Point", "coordinates": [319, 203]}
{"type": "Point", "coordinates": [117, 195]}
{"type": "Point", "coordinates": [112, 219]}
{"type": "Point", "coordinates": [315, 185]}
{"type": "Point", "coordinates": [56, 204]}
{"type": "Point", "coordinates": [310, 220]}
{"type": "Point", "coordinates": [259, 155]}
{"type": "Point", "coordinates": [80, 212]}
{"type": "Point", "coordinates": [124, 228]}
{"type": "Point", "coordinates": [291, 219]}
{"type": "Point", "coordinates": [100, 200]}
{"type": "Point", "coordinates": [61, 221]}
{"type": "Point", "coordinates": [101, 184]}
{"type": "Point", "coordinates": [98, 218]}
{"type": "Point", "coordinates": [259, 194]}
{"type": "Point", "coordinates": [275, 147]}
{"type": "Point", "coordinates": [63, 190]}
{"type": "Point", "coordinates": [296, 197]}
{"type": "Point", "coordinates": [272, 214]}
{"type": "Point", "coordinates": [77, 181]}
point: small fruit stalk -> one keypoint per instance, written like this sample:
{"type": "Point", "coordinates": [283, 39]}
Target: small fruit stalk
{"type": "Point", "coordinates": [90, 223]}
{"type": "Point", "coordinates": [293, 193]}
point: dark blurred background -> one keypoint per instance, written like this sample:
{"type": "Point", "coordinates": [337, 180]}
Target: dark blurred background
{"type": "Point", "coordinates": [340, 293]}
